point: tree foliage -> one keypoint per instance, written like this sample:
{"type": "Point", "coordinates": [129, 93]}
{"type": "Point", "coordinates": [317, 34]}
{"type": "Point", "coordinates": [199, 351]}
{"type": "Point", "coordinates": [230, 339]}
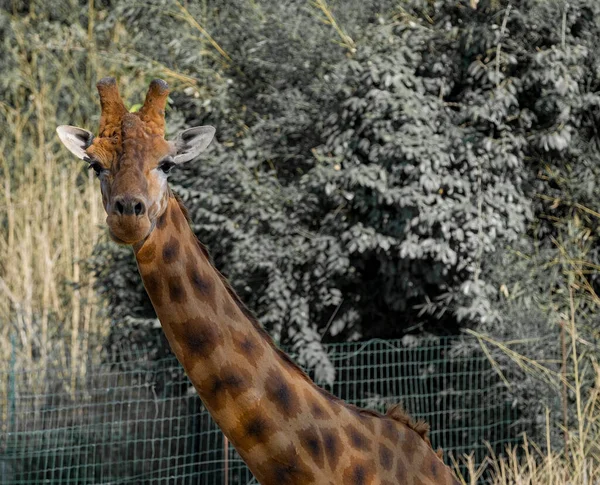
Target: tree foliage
{"type": "Point", "coordinates": [369, 190]}
{"type": "Point", "coordinates": [369, 175]}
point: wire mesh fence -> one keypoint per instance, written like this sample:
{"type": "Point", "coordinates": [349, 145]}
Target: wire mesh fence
{"type": "Point", "coordinates": [131, 420]}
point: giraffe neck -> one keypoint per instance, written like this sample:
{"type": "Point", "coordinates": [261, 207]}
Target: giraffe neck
{"type": "Point", "coordinates": [287, 430]}
{"type": "Point", "coordinates": [249, 387]}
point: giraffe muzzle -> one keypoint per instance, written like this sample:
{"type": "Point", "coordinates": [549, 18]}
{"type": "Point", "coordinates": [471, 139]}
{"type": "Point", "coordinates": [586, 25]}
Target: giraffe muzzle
{"type": "Point", "coordinates": [129, 206]}
{"type": "Point", "coordinates": [128, 220]}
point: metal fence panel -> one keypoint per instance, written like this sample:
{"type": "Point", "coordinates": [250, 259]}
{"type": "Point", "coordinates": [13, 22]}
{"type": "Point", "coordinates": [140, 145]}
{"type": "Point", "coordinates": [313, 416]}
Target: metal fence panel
{"type": "Point", "coordinates": [131, 420]}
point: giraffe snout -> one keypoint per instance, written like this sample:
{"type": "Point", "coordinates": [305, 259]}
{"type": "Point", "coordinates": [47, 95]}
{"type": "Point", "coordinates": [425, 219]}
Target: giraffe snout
{"type": "Point", "coordinates": [127, 219]}
{"type": "Point", "coordinates": [129, 206]}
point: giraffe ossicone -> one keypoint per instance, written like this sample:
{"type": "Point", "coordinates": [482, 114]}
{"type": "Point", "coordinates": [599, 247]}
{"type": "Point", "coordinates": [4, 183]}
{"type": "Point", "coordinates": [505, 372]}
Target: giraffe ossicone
{"type": "Point", "coordinates": [287, 429]}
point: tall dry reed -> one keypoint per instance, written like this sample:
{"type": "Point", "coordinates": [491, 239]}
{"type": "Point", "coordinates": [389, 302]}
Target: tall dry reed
{"type": "Point", "coordinates": [51, 214]}
{"type": "Point", "coordinates": [573, 306]}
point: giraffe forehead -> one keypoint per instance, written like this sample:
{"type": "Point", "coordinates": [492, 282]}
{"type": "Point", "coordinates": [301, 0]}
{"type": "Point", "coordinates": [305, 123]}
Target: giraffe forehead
{"type": "Point", "coordinates": [142, 140]}
{"type": "Point", "coordinates": [142, 150]}
{"type": "Point", "coordinates": [137, 142]}
{"type": "Point", "coordinates": [132, 126]}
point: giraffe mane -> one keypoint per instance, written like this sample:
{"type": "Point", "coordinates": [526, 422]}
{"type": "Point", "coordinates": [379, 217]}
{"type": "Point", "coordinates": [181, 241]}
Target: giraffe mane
{"type": "Point", "coordinates": [182, 206]}
{"type": "Point", "coordinates": [395, 412]}
{"type": "Point", "coordinates": [398, 413]}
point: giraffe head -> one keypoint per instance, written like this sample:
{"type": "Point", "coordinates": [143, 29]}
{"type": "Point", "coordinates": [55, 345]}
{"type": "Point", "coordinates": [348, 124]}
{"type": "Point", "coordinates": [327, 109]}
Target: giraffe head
{"type": "Point", "coordinates": [132, 159]}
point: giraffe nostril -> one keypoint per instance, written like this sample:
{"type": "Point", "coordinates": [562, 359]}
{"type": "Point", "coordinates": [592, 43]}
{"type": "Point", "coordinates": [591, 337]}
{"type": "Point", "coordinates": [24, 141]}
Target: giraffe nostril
{"type": "Point", "coordinates": [129, 206]}
{"type": "Point", "coordinates": [139, 209]}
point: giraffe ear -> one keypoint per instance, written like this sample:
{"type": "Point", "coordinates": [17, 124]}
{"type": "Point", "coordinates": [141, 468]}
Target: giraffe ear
{"type": "Point", "coordinates": [191, 142]}
{"type": "Point", "coordinates": [75, 139]}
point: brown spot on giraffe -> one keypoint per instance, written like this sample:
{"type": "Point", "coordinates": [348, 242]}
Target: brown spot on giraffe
{"type": "Point", "coordinates": [410, 450]}
{"type": "Point", "coordinates": [288, 430]}
{"type": "Point", "coordinates": [282, 394]}
{"type": "Point", "coordinates": [360, 473]}
{"type": "Point", "coordinates": [231, 310]}
{"type": "Point", "coordinates": [201, 285]}
{"type": "Point", "coordinates": [434, 468]}
{"type": "Point", "coordinates": [200, 336]}
{"type": "Point", "coordinates": [254, 428]}
{"type": "Point", "coordinates": [161, 222]}
{"type": "Point", "coordinates": [311, 441]}
{"type": "Point", "coordinates": [401, 475]}
{"type": "Point", "coordinates": [177, 292]}
{"type": "Point", "coordinates": [247, 345]}
{"type": "Point", "coordinates": [389, 430]}
{"type": "Point", "coordinates": [332, 445]}
{"type": "Point", "coordinates": [147, 254]}
{"type": "Point", "coordinates": [154, 286]}
{"type": "Point", "coordinates": [170, 251]}
{"type": "Point", "coordinates": [285, 468]}
{"type": "Point", "coordinates": [357, 439]}
{"type": "Point", "coordinates": [230, 382]}
{"type": "Point", "coordinates": [333, 403]}
{"type": "Point", "coordinates": [386, 457]}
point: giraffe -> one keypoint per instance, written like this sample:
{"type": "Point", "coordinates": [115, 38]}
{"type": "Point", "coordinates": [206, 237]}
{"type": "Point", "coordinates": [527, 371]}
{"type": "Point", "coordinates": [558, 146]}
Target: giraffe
{"type": "Point", "coordinates": [286, 428]}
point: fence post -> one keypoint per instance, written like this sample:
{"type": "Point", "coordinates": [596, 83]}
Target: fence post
{"type": "Point", "coordinates": [11, 408]}
{"type": "Point", "coordinates": [564, 394]}
{"type": "Point", "coordinates": [226, 448]}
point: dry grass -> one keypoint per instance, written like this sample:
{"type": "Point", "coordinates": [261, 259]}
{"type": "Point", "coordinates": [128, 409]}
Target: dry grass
{"type": "Point", "coordinates": [50, 207]}
{"type": "Point", "coordinates": [575, 310]}
{"type": "Point", "coordinates": [530, 464]}
{"type": "Point", "coordinates": [51, 214]}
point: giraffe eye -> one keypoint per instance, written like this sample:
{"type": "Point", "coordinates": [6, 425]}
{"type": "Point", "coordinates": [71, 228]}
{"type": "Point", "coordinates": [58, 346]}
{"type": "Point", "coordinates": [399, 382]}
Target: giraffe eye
{"type": "Point", "coordinates": [166, 165]}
